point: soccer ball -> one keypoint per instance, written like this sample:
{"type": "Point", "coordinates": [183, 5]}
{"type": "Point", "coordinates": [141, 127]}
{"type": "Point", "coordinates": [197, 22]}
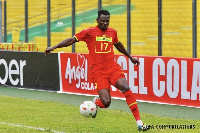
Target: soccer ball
{"type": "Point", "coordinates": [88, 108]}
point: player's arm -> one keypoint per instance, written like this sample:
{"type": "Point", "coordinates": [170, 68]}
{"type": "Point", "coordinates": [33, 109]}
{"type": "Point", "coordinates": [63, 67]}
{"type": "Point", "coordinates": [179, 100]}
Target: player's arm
{"type": "Point", "coordinates": [120, 47]}
{"type": "Point", "coordinates": [65, 43]}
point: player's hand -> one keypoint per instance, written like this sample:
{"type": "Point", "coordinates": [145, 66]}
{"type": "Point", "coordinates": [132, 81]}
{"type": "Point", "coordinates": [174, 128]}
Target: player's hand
{"type": "Point", "coordinates": [48, 50]}
{"type": "Point", "coordinates": [135, 61]}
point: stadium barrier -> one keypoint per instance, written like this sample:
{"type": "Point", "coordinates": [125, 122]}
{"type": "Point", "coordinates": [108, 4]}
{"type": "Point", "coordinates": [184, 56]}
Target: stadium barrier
{"type": "Point", "coordinates": [164, 80]}
{"type": "Point", "coordinates": [31, 70]}
{"type": "Point", "coordinates": [19, 46]}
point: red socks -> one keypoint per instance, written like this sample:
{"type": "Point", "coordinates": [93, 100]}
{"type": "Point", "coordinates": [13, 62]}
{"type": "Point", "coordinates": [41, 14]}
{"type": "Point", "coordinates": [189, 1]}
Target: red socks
{"type": "Point", "coordinates": [99, 103]}
{"type": "Point", "coordinates": [131, 101]}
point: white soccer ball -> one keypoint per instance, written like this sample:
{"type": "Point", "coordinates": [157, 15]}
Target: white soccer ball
{"type": "Point", "coordinates": [88, 108]}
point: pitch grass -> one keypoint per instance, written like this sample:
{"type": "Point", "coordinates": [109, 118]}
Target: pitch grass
{"type": "Point", "coordinates": [55, 116]}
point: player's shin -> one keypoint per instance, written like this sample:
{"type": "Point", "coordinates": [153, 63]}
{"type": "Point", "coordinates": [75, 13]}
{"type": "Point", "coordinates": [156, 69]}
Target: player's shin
{"type": "Point", "coordinates": [131, 101]}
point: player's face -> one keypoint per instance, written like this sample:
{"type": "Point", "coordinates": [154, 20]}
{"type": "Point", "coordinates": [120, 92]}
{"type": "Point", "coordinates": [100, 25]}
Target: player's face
{"type": "Point", "coordinates": [103, 21]}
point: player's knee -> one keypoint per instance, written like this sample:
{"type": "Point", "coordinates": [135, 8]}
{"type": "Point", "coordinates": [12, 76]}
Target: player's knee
{"type": "Point", "coordinates": [106, 102]}
{"type": "Point", "coordinates": [125, 88]}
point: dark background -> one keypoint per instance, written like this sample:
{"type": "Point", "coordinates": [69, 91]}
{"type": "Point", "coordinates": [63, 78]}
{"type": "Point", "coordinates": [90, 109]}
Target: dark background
{"type": "Point", "coordinates": [40, 71]}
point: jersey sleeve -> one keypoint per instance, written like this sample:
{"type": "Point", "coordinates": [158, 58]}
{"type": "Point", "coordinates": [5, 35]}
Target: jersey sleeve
{"type": "Point", "coordinates": [82, 35]}
{"type": "Point", "coordinates": [115, 38]}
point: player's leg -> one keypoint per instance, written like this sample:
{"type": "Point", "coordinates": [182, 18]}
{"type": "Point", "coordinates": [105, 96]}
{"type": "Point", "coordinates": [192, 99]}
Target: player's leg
{"type": "Point", "coordinates": [103, 101]}
{"type": "Point", "coordinates": [103, 89]}
{"type": "Point", "coordinates": [102, 85]}
{"type": "Point", "coordinates": [123, 86]}
{"type": "Point", "coordinates": [119, 81]}
{"type": "Point", "coordinates": [104, 98]}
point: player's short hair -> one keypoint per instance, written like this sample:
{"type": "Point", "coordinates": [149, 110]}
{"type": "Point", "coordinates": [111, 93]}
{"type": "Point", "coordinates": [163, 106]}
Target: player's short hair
{"type": "Point", "coordinates": [104, 12]}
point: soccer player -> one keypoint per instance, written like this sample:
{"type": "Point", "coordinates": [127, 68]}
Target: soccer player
{"type": "Point", "coordinates": [105, 71]}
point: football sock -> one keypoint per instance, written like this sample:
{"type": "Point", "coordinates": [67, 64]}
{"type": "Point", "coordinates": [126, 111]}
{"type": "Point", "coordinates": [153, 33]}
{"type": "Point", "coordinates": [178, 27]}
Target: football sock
{"type": "Point", "coordinates": [131, 101]}
{"type": "Point", "coordinates": [99, 103]}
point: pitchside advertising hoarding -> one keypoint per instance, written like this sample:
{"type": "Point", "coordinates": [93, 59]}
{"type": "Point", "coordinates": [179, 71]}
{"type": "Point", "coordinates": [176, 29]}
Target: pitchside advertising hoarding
{"type": "Point", "coordinates": [156, 79]}
{"type": "Point", "coordinates": [31, 70]}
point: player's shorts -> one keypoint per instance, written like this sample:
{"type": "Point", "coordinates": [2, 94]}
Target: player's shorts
{"type": "Point", "coordinates": [103, 79]}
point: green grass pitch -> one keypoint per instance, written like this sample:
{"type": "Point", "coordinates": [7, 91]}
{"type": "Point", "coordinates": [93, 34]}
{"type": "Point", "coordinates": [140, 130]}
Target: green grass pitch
{"type": "Point", "coordinates": [29, 115]}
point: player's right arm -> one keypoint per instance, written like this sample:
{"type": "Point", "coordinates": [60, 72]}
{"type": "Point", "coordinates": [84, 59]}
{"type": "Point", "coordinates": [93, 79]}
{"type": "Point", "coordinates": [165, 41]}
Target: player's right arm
{"type": "Point", "coordinates": [65, 43]}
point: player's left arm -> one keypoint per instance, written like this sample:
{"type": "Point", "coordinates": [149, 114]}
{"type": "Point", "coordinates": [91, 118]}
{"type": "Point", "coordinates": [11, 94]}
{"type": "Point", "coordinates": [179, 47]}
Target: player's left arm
{"type": "Point", "coordinates": [120, 47]}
